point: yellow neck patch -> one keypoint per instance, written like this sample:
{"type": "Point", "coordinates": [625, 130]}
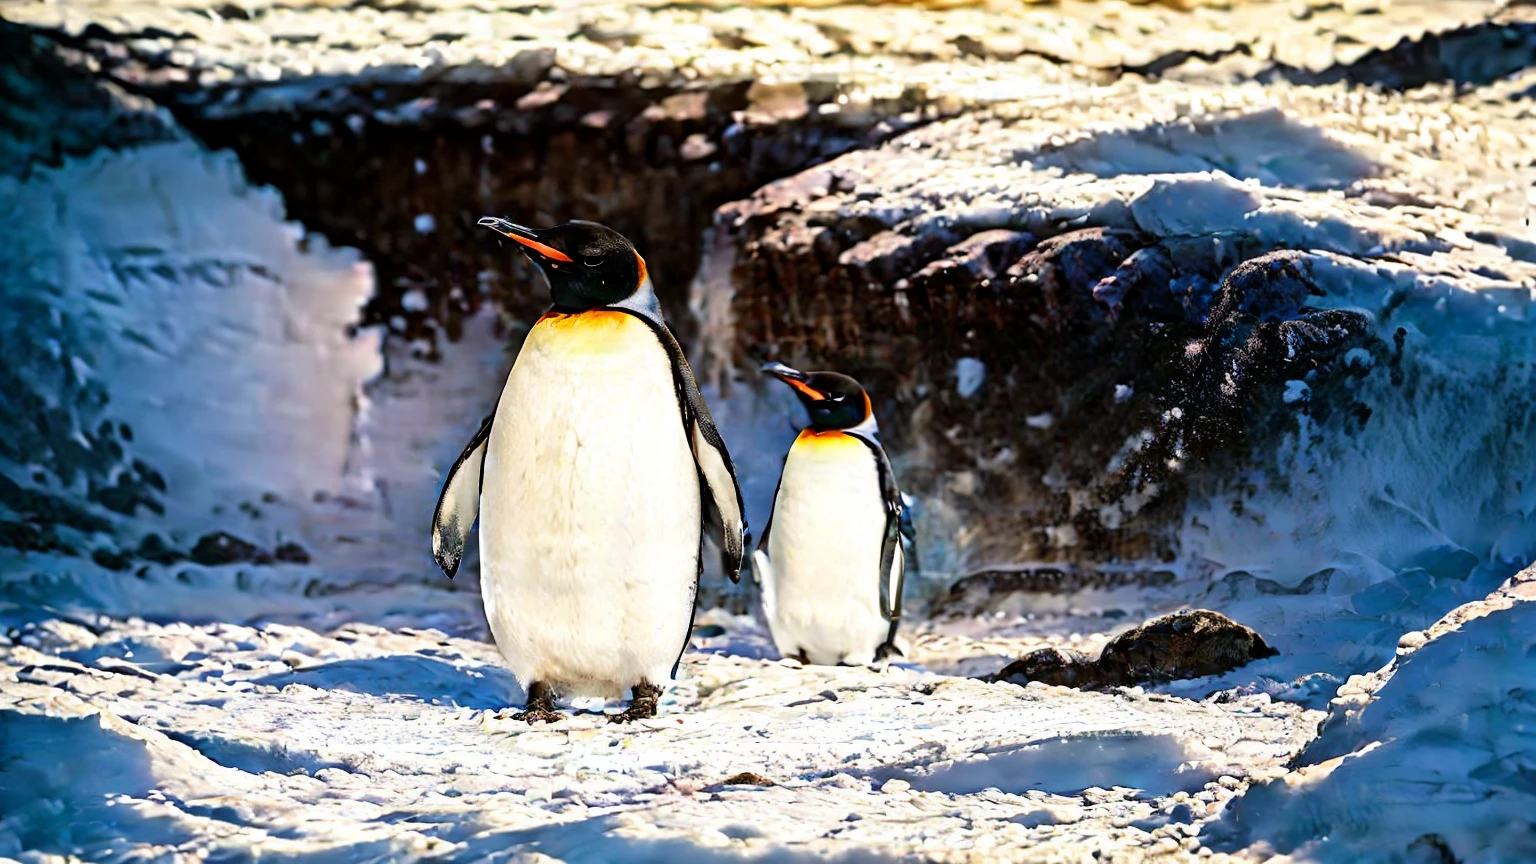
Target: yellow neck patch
{"type": "Point", "coordinates": [597, 330]}
{"type": "Point", "coordinates": [828, 441]}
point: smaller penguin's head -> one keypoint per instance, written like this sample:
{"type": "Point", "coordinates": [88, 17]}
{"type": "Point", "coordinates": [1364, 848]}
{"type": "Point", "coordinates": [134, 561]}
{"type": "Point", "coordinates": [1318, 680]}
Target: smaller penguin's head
{"type": "Point", "coordinates": [588, 265]}
{"type": "Point", "coordinates": [834, 400]}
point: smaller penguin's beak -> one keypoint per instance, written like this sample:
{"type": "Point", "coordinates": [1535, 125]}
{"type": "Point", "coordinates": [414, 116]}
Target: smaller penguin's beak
{"type": "Point", "coordinates": [795, 379]}
{"type": "Point", "coordinates": [525, 236]}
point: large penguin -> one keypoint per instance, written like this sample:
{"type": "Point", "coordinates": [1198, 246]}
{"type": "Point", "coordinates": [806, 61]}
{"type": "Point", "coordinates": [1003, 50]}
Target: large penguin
{"type": "Point", "coordinates": [832, 560]}
{"type": "Point", "coordinates": [593, 480]}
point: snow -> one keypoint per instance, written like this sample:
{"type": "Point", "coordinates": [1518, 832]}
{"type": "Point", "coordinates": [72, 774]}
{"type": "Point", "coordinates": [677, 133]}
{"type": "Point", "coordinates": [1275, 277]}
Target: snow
{"type": "Point", "coordinates": [216, 342]}
{"type": "Point", "coordinates": [1435, 750]}
{"type": "Point", "coordinates": [414, 300]}
{"type": "Point", "coordinates": [279, 739]}
{"type": "Point", "coordinates": [969, 375]}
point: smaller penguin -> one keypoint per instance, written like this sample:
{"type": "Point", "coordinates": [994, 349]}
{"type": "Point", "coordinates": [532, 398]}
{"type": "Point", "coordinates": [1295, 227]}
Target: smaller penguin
{"type": "Point", "coordinates": [832, 559]}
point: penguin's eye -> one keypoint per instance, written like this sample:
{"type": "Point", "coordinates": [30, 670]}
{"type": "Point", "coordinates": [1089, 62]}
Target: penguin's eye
{"type": "Point", "coordinates": [838, 397]}
{"type": "Point", "coordinates": [592, 262]}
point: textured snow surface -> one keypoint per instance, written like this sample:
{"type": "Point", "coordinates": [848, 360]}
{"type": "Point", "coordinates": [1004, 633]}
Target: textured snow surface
{"type": "Point", "coordinates": [123, 739]}
{"type": "Point", "coordinates": [367, 743]}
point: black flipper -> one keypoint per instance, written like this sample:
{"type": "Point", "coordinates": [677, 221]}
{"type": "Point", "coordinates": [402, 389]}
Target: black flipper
{"type": "Point", "coordinates": [762, 542]}
{"type": "Point", "coordinates": [762, 567]}
{"type": "Point", "coordinates": [719, 493]}
{"type": "Point", "coordinates": [898, 527]}
{"type": "Point", "coordinates": [459, 504]}
{"type": "Point", "coordinates": [724, 514]}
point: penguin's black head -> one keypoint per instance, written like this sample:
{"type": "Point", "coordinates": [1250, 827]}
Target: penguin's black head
{"type": "Point", "coordinates": [588, 265]}
{"type": "Point", "coordinates": [835, 401]}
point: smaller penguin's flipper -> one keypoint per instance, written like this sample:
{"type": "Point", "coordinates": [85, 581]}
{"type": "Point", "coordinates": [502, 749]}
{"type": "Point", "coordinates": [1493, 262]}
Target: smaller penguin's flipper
{"type": "Point", "coordinates": [762, 573]}
{"type": "Point", "coordinates": [762, 542]}
{"type": "Point", "coordinates": [892, 551]}
{"type": "Point", "coordinates": [460, 502]}
{"type": "Point", "coordinates": [891, 584]}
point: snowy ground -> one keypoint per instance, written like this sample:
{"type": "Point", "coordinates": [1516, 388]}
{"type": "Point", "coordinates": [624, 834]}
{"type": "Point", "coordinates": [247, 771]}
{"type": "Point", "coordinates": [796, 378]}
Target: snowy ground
{"type": "Point", "coordinates": [130, 740]}
{"type": "Point", "coordinates": [367, 743]}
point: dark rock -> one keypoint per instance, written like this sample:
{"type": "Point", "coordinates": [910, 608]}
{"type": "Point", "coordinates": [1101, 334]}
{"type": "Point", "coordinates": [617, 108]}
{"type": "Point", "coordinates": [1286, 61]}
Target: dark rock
{"type": "Point", "coordinates": [154, 548]}
{"type": "Point", "coordinates": [219, 548]}
{"type": "Point", "coordinates": [1051, 666]}
{"type": "Point", "coordinates": [747, 778]}
{"type": "Point", "coordinates": [1191, 643]}
{"type": "Point", "coordinates": [1188, 644]}
{"type": "Point", "coordinates": [111, 559]}
{"type": "Point", "coordinates": [291, 553]}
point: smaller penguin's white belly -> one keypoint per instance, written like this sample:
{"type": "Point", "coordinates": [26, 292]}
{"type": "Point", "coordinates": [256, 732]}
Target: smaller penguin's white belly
{"type": "Point", "coordinates": [590, 519]}
{"type": "Point", "coordinates": [824, 548]}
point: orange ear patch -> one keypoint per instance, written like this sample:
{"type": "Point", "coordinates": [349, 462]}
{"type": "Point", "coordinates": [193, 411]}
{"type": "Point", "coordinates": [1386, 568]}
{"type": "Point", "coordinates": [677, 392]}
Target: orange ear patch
{"type": "Point", "coordinates": [644, 273]}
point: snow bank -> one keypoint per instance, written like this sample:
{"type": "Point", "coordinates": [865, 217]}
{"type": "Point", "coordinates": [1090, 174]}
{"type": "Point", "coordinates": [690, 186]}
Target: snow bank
{"type": "Point", "coordinates": [1430, 758]}
{"type": "Point", "coordinates": [185, 365]}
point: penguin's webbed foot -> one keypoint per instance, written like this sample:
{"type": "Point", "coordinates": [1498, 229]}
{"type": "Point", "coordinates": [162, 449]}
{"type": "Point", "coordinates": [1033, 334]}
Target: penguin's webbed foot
{"type": "Point", "coordinates": [541, 705]}
{"type": "Point", "coordinates": [642, 704]}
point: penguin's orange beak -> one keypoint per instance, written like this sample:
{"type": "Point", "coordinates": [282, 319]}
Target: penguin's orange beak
{"type": "Point", "coordinates": [525, 236]}
{"type": "Point", "coordinates": [795, 379]}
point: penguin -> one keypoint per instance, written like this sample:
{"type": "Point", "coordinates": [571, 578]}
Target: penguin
{"type": "Point", "coordinates": [594, 479]}
{"type": "Point", "coordinates": [832, 559]}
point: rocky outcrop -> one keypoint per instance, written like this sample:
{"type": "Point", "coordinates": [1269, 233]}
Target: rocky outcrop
{"type": "Point", "coordinates": [1188, 644]}
{"type": "Point", "coordinates": [1148, 328]}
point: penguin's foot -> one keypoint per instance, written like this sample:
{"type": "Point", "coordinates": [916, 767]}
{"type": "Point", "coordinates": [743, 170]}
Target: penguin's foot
{"type": "Point", "coordinates": [538, 715]}
{"type": "Point", "coordinates": [642, 704]}
{"type": "Point", "coordinates": [886, 651]}
{"type": "Point", "coordinates": [541, 705]}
